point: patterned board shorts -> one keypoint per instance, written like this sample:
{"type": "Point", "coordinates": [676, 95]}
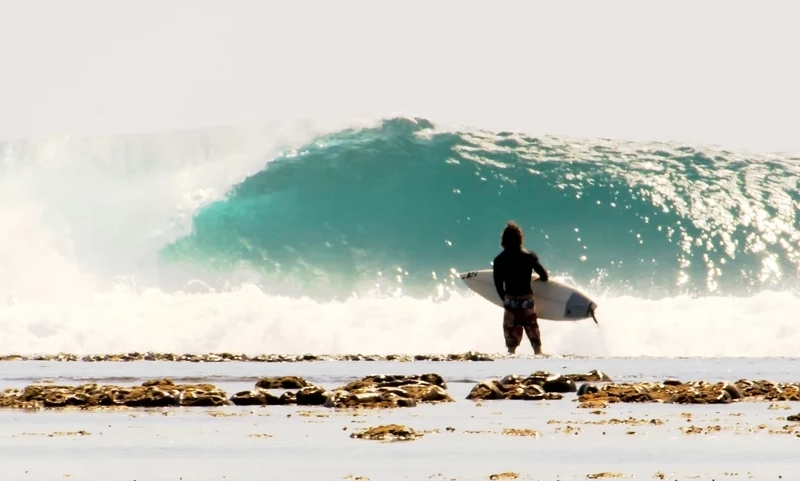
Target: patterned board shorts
{"type": "Point", "coordinates": [522, 303]}
{"type": "Point", "coordinates": [518, 318]}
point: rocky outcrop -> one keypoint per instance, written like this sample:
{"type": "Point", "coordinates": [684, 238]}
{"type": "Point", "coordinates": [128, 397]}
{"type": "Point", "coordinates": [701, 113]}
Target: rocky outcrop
{"type": "Point", "coordinates": [157, 393]}
{"type": "Point", "coordinates": [387, 432]}
{"type": "Point", "coordinates": [539, 385]}
{"type": "Point", "coordinates": [508, 475]}
{"type": "Point", "coordinates": [692, 392]}
{"type": "Point", "coordinates": [282, 382]}
{"type": "Point", "coordinates": [670, 391]}
{"type": "Point", "coordinates": [592, 390]}
{"type": "Point", "coordinates": [469, 356]}
{"type": "Point", "coordinates": [376, 391]}
{"type": "Point", "coordinates": [304, 394]}
{"type": "Point", "coordinates": [261, 397]}
{"type": "Point", "coordinates": [390, 391]}
{"type": "Point", "coordinates": [768, 390]}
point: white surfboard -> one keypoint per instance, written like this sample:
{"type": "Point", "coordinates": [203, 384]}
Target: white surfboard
{"type": "Point", "coordinates": [553, 300]}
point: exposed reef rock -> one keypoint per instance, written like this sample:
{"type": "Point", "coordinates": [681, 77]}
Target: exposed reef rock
{"type": "Point", "coordinates": [541, 385]}
{"type": "Point", "coordinates": [231, 357]}
{"type": "Point", "coordinates": [376, 391]}
{"type": "Point", "coordinates": [388, 391]}
{"type": "Point", "coordinates": [591, 390]}
{"type": "Point", "coordinates": [693, 392]}
{"type": "Point", "coordinates": [388, 432]}
{"type": "Point", "coordinates": [157, 393]}
{"type": "Point", "coordinates": [282, 382]}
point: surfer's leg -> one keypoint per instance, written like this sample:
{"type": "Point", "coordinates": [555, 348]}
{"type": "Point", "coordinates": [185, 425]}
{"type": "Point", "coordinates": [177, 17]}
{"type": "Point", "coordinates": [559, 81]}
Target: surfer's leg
{"type": "Point", "coordinates": [532, 330]}
{"type": "Point", "coordinates": [511, 331]}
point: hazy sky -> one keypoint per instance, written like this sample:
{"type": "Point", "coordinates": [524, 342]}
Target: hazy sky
{"type": "Point", "coordinates": [723, 72]}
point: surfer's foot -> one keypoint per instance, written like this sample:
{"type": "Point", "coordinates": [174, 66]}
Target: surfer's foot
{"type": "Point", "coordinates": [512, 350]}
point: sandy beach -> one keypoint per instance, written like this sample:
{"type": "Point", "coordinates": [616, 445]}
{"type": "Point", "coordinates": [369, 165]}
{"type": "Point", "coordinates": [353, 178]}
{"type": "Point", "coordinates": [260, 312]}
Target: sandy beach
{"type": "Point", "coordinates": [461, 440]}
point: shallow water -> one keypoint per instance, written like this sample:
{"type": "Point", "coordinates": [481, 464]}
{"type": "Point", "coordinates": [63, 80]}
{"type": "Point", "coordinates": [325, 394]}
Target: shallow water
{"type": "Point", "coordinates": [313, 443]}
{"type": "Point", "coordinates": [18, 373]}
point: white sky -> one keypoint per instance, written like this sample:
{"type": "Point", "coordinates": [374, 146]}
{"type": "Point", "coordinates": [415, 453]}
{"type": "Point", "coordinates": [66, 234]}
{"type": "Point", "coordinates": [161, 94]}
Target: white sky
{"type": "Point", "coordinates": [724, 72]}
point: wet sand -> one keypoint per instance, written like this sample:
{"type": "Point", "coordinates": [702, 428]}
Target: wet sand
{"type": "Point", "coordinates": [463, 440]}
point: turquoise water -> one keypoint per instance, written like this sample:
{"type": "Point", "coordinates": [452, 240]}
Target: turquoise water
{"type": "Point", "coordinates": [404, 205]}
{"type": "Point", "coordinates": [254, 240]}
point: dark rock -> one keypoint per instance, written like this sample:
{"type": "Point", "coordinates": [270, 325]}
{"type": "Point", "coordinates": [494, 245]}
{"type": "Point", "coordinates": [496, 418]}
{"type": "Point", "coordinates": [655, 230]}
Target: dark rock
{"type": "Point", "coordinates": [510, 387]}
{"type": "Point", "coordinates": [311, 396]}
{"type": "Point", "coordinates": [282, 382]}
{"type": "Point", "coordinates": [559, 383]}
{"type": "Point", "coordinates": [257, 397]}
{"type": "Point", "coordinates": [587, 388]}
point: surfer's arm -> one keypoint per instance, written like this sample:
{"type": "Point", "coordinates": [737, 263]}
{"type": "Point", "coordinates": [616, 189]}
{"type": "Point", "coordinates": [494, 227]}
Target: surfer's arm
{"type": "Point", "coordinates": [498, 280]}
{"type": "Point", "coordinates": [539, 268]}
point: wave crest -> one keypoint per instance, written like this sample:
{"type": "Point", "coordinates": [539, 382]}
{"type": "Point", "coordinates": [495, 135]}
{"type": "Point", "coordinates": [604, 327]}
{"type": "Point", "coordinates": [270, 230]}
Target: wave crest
{"type": "Point", "coordinates": [403, 205]}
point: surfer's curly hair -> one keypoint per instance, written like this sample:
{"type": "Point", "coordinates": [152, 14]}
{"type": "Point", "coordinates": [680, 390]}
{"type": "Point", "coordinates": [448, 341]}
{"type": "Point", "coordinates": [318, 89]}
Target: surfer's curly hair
{"type": "Point", "coordinates": [512, 237]}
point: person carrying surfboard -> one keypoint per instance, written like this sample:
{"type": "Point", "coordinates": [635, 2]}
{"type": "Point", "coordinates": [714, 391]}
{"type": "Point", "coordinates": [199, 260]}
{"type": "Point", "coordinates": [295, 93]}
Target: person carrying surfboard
{"type": "Point", "coordinates": [512, 270]}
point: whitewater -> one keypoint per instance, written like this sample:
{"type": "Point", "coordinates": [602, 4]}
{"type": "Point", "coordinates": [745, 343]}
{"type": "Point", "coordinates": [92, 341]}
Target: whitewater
{"type": "Point", "coordinates": [346, 238]}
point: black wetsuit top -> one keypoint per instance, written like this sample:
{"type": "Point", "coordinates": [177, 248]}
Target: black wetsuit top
{"type": "Point", "coordinates": [515, 268]}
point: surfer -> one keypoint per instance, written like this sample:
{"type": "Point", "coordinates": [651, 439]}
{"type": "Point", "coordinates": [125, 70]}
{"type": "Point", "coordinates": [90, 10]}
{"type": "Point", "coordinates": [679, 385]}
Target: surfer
{"type": "Point", "coordinates": [513, 269]}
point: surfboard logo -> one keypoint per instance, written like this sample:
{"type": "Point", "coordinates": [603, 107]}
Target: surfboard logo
{"type": "Point", "coordinates": [469, 274]}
